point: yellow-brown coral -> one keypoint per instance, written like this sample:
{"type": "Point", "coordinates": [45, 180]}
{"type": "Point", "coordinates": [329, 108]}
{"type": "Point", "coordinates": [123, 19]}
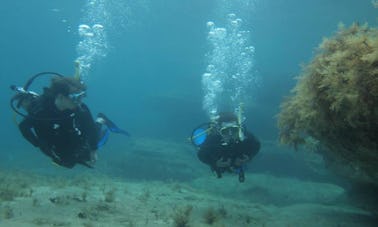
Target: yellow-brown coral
{"type": "Point", "coordinates": [336, 100]}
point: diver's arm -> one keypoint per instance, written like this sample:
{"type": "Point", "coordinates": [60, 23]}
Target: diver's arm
{"type": "Point", "coordinates": [26, 127]}
{"type": "Point", "coordinates": [210, 156]}
{"type": "Point", "coordinates": [89, 127]}
{"type": "Point", "coordinates": [203, 156]}
{"type": "Point", "coordinates": [209, 153]}
{"type": "Point", "coordinates": [251, 145]}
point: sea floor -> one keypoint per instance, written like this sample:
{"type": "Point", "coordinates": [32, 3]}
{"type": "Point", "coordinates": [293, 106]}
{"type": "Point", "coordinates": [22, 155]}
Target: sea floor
{"type": "Point", "coordinates": [91, 200]}
{"type": "Point", "coordinates": [108, 198]}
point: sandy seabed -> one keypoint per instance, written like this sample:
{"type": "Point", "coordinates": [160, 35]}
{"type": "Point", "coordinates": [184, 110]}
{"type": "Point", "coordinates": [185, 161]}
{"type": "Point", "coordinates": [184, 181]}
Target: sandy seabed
{"type": "Point", "coordinates": [193, 197]}
{"type": "Point", "coordinates": [99, 201]}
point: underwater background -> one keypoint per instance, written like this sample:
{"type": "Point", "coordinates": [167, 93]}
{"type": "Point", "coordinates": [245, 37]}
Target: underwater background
{"type": "Point", "coordinates": [145, 72]}
{"type": "Point", "coordinates": [150, 80]}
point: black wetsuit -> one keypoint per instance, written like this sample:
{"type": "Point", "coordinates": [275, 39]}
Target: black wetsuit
{"type": "Point", "coordinates": [67, 137]}
{"type": "Point", "coordinates": [212, 150]}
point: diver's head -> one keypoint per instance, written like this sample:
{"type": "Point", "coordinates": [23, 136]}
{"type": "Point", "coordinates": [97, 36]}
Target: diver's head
{"type": "Point", "coordinates": [67, 91]}
{"type": "Point", "coordinates": [228, 127]}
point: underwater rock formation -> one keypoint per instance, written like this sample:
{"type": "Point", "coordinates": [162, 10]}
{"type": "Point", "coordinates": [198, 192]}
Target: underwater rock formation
{"type": "Point", "coordinates": [335, 104]}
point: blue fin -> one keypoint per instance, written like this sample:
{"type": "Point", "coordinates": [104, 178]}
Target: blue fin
{"type": "Point", "coordinates": [104, 138]}
{"type": "Point", "coordinates": [113, 127]}
{"type": "Point", "coordinates": [118, 130]}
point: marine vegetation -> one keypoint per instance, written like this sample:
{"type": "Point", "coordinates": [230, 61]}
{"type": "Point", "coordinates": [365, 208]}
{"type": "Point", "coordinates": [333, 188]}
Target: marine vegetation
{"type": "Point", "coordinates": [335, 103]}
{"type": "Point", "coordinates": [181, 216]}
{"type": "Point", "coordinates": [210, 216]}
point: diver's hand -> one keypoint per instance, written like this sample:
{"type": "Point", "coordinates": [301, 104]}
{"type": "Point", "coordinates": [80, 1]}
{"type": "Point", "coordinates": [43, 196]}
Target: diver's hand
{"type": "Point", "coordinates": [239, 161]}
{"type": "Point", "coordinates": [223, 163]}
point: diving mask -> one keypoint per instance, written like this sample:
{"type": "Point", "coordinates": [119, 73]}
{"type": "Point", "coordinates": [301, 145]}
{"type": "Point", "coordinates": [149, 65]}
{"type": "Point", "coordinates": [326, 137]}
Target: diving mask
{"type": "Point", "coordinates": [230, 132]}
{"type": "Point", "coordinates": [76, 97]}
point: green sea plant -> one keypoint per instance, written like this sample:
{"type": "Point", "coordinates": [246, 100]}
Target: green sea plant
{"type": "Point", "coordinates": [48, 222]}
{"type": "Point", "coordinates": [7, 212]}
{"type": "Point", "coordinates": [83, 197]}
{"type": "Point", "coordinates": [335, 102]}
{"type": "Point", "coordinates": [181, 217]}
{"type": "Point", "coordinates": [210, 216]}
{"type": "Point", "coordinates": [222, 212]}
{"type": "Point", "coordinates": [110, 195]}
{"type": "Point", "coordinates": [61, 199]}
{"type": "Point", "coordinates": [14, 185]}
{"type": "Point", "coordinates": [145, 196]}
{"type": "Point", "coordinates": [36, 202]}
{"type": "Point", "coordinates": [94, 212]}
{"type": "Point", "coordinates": [7, 194]}
{"type": "Point", "coordinates": [88, 224]}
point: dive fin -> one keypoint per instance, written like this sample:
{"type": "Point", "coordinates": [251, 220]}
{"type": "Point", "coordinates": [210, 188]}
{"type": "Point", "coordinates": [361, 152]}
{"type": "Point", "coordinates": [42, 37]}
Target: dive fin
{"type": "Point", "coordinates": [111, 126]}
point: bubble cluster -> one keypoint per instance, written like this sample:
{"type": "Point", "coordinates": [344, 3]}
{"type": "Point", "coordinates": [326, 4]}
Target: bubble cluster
{"type": "Point", "coordinates": [100, 18]}
{"type": "Point", "coordinates": [93, 43]}
{"type": "Point", "coordinates": [228, 75]}
{"type": "Point", "coordinates": [243, 8]}
{"type": "Point", "coordinates": [92, 46]}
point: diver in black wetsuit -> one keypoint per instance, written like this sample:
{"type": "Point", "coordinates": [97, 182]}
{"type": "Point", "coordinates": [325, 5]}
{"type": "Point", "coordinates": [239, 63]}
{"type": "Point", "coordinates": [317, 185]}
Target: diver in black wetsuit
{"type": "Point", "coordinates": [61, 126]}
{"type": "Point", "coordinates": [226, 145]}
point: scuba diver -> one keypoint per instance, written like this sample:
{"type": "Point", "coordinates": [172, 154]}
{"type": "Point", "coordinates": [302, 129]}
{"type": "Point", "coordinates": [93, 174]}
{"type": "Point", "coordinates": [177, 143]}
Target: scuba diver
{"type": "Point", "coordinates": [59, 123]}
{"type": "Point", "coordinates": [225, 145]}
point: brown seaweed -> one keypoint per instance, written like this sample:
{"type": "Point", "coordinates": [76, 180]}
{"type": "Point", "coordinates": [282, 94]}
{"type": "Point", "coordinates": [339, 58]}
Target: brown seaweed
{"type": "Point", "coordinates": [335, 100]}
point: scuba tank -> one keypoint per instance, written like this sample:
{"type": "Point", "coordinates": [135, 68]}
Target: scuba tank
{"type": "Point", "coordinates": [23, 93]}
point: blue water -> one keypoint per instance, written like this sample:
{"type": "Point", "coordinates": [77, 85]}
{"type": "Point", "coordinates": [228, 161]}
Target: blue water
{"type": "Point", "coordinates": [150, 80]}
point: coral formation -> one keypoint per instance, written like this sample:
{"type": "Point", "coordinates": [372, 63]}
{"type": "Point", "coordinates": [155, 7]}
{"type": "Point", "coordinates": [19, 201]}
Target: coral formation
{"type": "Point", "coordinates": [335, 103]}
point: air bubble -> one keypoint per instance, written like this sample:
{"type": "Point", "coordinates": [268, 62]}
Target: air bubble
{"type": "Point", "coordinates": [210, 24]}
{"type": "Point", "coordinates": [228, 74]}
{"type": "Point", "coordinates": [97, 26]}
